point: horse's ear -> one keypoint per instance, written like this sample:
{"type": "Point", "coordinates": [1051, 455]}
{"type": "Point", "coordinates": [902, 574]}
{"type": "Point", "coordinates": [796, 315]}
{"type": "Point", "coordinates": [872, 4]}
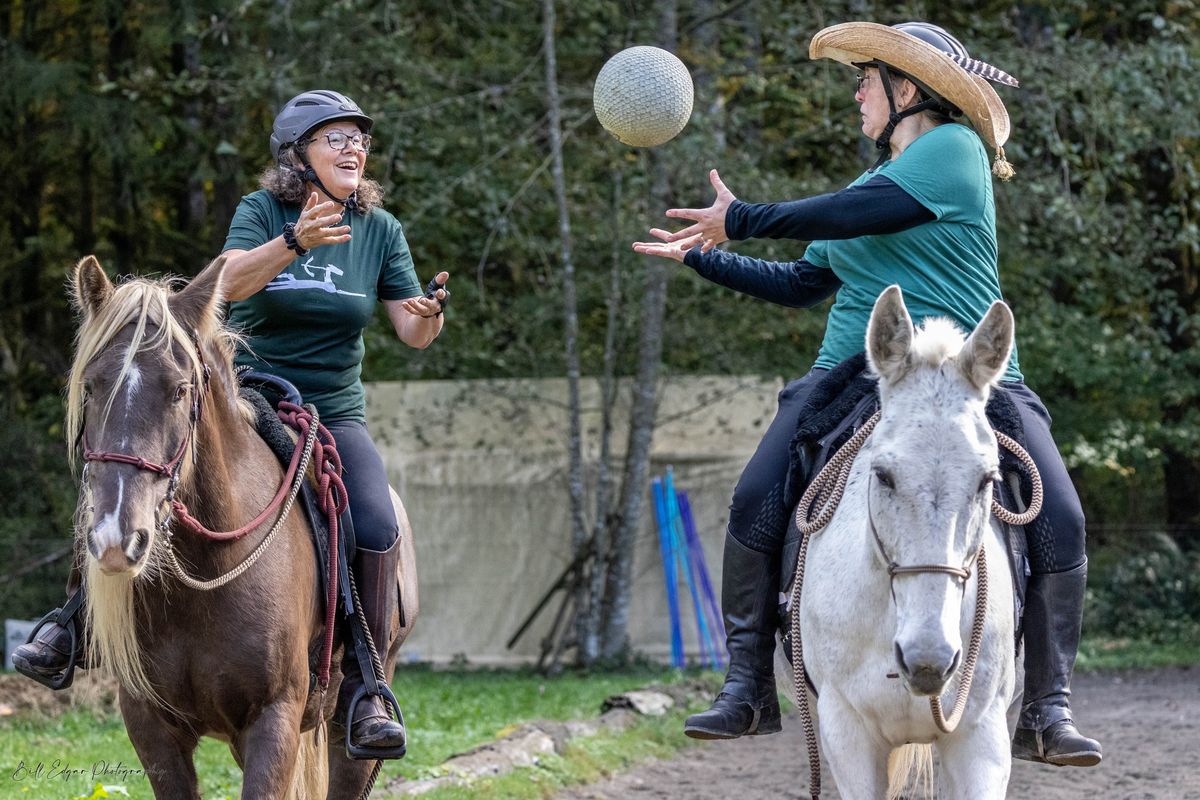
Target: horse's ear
{"type": "Point", "coordinates": [196, 303]}
{"type": "Point", "coordinates": [90, 287]}
{"type": "Point", "coordinates": [890, 336]}
{"type": "Point", "coordinates": [984, 356]}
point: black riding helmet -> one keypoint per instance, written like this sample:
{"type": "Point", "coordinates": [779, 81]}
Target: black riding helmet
{"type": "Point", "coordinates": [303, 114]}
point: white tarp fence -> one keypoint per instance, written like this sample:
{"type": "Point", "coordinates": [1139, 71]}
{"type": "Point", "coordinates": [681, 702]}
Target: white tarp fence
{"type": "Point", "coordinates": [482, 468]}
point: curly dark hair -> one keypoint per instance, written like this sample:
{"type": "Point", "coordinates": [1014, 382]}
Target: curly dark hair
{"type": "Point", "coordinates": [283, 180]}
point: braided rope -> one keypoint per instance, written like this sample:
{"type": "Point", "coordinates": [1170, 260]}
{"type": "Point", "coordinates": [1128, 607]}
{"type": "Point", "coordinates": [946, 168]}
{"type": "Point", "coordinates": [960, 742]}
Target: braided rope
{"type": "Point", "coordinates": [221, 580]}
{"type": "Point", "coordinates": [800, 676]}
{"type": "Point", "coordinates": [968, 668]}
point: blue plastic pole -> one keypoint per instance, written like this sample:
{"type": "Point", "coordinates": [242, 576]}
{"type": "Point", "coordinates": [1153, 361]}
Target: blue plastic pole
{"type": "Point", "coordinates": [666, 551]}
{"type": "Point", "coordinates": [698, 561]}
{"type": "Point", "coordinates": [708, 647]}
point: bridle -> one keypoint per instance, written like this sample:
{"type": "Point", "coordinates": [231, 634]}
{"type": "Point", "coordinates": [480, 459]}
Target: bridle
{"type": "Point", "coordinates": [168, 469]}
{"type": "Point", "coordinates": [894, 569]}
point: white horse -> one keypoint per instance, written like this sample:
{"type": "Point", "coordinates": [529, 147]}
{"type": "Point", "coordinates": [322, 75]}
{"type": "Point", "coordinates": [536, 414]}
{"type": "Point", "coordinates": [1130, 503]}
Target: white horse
{"type": "Point", "coordinates": [880, 643]}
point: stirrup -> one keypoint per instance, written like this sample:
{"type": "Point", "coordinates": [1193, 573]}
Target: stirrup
{"type": "Point", "coordinates": [60, 680]}
{"type": "Point", "coordinates": [374, 753]}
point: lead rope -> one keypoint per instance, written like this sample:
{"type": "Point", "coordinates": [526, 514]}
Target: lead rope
{"type": "Point", "coordinates": [830, 486]}
{"type": "Point", "coordinates": [215, 583]}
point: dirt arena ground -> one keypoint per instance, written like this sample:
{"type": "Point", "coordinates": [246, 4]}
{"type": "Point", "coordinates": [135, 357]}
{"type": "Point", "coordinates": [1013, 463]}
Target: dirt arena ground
{"type": "Point", "coordinates": [1148, 722]}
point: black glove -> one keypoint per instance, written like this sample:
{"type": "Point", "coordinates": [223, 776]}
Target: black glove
{"type": "Point", "coordinates": [431, 294]}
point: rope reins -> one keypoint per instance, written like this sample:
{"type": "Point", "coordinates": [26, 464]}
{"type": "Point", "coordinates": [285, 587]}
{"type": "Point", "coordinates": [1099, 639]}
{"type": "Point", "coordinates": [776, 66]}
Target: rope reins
{"type": "Point", "coordinates": [816, 509]}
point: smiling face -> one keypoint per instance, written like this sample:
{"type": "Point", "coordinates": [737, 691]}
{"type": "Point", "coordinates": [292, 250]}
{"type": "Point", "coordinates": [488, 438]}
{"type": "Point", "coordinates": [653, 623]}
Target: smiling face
{"type": "Point", "coordinates": [340, 170]}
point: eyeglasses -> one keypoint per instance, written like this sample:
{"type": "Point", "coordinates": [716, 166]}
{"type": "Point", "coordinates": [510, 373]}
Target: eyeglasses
{"type": "Point", "coordinates": [338, 141]}
{"type": "Point", "coordinates": [862, 79]}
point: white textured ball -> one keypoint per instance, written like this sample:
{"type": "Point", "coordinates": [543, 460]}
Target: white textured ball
{"type": "Point", "coordinates": [643, 96]}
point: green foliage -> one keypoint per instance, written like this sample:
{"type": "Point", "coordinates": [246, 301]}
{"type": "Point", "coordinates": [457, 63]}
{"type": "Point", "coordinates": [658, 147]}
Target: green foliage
{"type": "Point", "coordinates": [1151, 594]}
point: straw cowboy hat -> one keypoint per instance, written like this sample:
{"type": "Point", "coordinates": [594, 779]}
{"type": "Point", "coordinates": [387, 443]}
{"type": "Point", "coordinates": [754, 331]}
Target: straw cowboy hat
{"type": "Point", "coordinates": [937, 63]}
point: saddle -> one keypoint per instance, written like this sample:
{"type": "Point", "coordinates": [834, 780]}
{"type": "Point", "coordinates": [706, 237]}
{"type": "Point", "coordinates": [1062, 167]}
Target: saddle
{"type": "Point", "coordinates": [841, 404]}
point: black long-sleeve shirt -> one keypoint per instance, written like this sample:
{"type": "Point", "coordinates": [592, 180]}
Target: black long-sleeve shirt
{"type": "Point", "coordinates": [877, 206]}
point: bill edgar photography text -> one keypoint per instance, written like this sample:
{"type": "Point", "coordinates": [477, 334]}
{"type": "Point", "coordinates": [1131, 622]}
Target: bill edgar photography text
{"type": "Point", "coordinates": [63, 770]}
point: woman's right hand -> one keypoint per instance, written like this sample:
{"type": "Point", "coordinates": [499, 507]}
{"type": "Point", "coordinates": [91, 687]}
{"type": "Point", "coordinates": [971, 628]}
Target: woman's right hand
{"type": "Point", "coordinates": [318, 224]}
{"type": "Point", "coordinates": [675, 250]}
{"type": "Point", "coordinates": [709, 222]}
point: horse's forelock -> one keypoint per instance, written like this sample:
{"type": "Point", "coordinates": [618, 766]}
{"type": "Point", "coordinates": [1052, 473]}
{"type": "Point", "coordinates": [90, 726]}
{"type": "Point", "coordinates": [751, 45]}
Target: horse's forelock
{"type": "Point", "coordinates": [140, 302]}
{"type": "Point", "coordinates": [937, 340]}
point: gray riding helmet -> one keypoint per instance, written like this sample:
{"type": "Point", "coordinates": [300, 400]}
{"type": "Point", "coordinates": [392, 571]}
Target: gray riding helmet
{"type": "Point", "coordinates": [309, 110]}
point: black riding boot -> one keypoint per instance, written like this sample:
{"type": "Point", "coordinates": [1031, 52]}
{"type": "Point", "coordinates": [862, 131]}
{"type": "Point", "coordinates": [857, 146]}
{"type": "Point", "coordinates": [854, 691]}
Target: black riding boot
{"type": "Point", "coordinates": [1053, 614]}
{"type": "Point", "coordinates": [372, 725]}
{"type": "Point", "coordinates": [57, 645]}
{"type": "Point", "coordinates": [747, 703]}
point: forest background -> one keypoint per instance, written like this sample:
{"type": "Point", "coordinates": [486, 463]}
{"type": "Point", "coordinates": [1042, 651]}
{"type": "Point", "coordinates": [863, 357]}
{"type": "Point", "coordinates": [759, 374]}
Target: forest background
{"type": "Point", "coordinates": [134, 128]}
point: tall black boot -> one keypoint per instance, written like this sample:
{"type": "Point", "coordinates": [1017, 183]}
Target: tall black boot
{"type": "Point", "coordinates": [372, 725]}
{"type": "Point", "coordinates": [57, 644]}
{"type": "Point", "coordinates": [747, 704]}
{"type": "Point", "coordinates": [1053, 614]}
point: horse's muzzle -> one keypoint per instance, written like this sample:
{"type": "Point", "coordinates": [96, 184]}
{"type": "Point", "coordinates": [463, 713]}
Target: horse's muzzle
{"type": "Point", "coordinates": [927, 670]}
{"type": "Point", "coordinates": [116, 559]}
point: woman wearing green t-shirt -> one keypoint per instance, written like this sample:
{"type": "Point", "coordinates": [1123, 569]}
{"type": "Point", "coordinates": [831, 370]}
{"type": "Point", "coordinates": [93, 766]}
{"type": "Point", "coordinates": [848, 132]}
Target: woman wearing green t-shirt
{"type": "Point", "coordinates": [308, 257]}
{"type": "Point", "coordinates": [922, 217]}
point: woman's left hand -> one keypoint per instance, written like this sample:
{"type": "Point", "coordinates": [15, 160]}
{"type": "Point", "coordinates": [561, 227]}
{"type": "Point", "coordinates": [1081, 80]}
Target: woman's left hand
{"type": "Point", "coordinates": [671, 249]}
{"type": "Point", "coordinates": [428, 307]}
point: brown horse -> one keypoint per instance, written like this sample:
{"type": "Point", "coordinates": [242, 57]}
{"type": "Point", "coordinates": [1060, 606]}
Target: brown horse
{"type": "Point", "coordinates": [153, 379]}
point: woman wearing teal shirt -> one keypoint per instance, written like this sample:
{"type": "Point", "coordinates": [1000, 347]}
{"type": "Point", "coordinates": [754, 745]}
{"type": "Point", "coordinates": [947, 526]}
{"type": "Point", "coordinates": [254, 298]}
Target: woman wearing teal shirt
{"type": "Point", "coordinates": [922, 217]}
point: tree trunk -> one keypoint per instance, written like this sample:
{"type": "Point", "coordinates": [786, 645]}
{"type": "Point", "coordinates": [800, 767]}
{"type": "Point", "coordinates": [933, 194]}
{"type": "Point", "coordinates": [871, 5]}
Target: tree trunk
{"type": "Point", "coordinates": [191, 205]}
{"type": "Point", "coordinates": [643, 406]}
{"type": "Point", "coordinates": [605, 521]}
{"type": "Point", "coordinates": [579, 536]}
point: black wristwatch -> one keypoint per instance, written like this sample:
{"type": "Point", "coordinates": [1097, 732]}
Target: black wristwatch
{"type": "Point", "coordinates": [289, 238]}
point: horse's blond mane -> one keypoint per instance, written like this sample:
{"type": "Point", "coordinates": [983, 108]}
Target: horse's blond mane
{"type": "Point", "coordinates": [140, 302]}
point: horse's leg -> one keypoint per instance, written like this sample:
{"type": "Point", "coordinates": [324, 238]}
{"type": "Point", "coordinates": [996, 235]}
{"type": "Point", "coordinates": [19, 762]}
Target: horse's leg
{"type": "Point", "coordinates": [976, 761]}
{"type": "Point", "coordinates": [857, 760]}
{"type": "Point", "coordinates": [347, 777]}
{"type": "Point", "coordinates": [269, 746]}
{"type": "Point", "coordinates": [165, 750]}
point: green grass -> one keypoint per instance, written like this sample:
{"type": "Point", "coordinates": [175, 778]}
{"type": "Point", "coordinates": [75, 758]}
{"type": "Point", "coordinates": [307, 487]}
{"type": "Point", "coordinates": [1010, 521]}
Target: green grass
{"type": "Point", "coordinates": [1111, 654]}
{"type": "Point", "coordinates": [446, 712]}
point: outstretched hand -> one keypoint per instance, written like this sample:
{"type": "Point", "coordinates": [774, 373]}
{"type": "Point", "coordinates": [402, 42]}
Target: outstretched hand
{"type": "Point", "coordinates": [318, 224]}
{"type": "Point", "coordinates": [709, 223]}
{"type": "Point", "coordinates": [674, 250]}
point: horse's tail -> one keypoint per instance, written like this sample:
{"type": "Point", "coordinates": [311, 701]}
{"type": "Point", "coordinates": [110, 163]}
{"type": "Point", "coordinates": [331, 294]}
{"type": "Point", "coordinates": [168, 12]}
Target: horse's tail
{"type": "Point", "coordinates": [910, 765]}
{"type": "Point", "coordinates": [310, 778]}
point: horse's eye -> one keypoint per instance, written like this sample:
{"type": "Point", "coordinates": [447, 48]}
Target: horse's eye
{"type": "Point", "coordinates": [885, 477]}
{"type": "Point", "coordinates": [181, 391]}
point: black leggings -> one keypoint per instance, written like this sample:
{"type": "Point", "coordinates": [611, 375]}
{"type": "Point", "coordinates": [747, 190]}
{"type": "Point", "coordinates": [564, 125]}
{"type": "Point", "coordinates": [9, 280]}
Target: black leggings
{"type": "Point", "coordinates": [375, 525]}
{"type": "Point", "coordinates": [759, 520]}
